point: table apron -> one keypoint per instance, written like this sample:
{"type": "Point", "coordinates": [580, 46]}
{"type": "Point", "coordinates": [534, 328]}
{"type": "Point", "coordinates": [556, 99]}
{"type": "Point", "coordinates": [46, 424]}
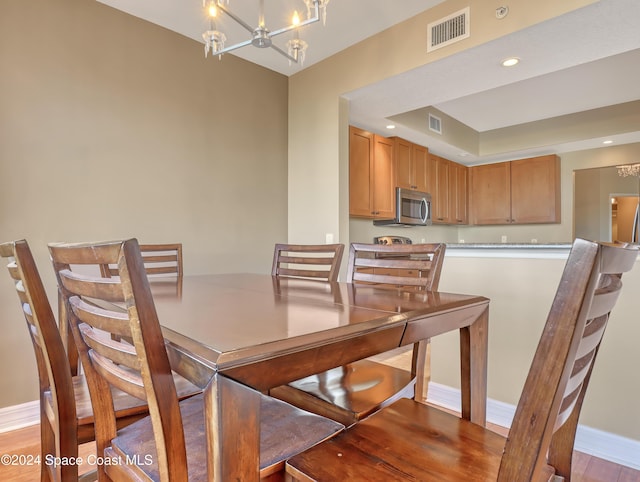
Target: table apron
{"type": "Point", "coordinates": [430, 326]}
{"type": "Point", "coordinates": [284, 368]}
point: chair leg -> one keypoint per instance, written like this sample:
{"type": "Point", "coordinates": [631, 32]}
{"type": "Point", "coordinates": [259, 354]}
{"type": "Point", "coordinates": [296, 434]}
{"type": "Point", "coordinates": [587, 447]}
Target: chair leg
{"type": "Point", "coordinates": [421, 368]}
{"type": "Point", "coordinates": [54, 443]}
{"type": "Point", "coordinates": [47, 446]}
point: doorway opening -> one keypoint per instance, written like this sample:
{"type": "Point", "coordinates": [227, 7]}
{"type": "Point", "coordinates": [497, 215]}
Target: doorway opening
{"type": "Point", "coordinates": [625, 218]}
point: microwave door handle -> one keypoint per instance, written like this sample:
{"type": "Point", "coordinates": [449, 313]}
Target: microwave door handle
{"type": "Point", "coordinates": [424, 210]}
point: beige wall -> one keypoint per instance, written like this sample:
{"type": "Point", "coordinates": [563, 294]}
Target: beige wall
{"type": "Point", "coordinates": [111, 127]}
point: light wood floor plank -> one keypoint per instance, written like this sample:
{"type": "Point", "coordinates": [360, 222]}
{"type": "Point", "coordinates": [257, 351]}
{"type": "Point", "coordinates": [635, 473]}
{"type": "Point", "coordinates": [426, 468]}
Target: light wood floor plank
{"type": "Point", "coordinates": [26, 442]}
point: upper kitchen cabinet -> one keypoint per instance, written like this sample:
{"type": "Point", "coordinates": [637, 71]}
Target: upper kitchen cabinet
{"type": "Point", "coordinates": [448, 188]}
{"type": "Point", "coordinates": [439, 188]}
{"type": "Point", "coordinates": [411, 165]}
{"type": "Point", "coordinates": [490, 193]}
{"type": "Point", "coordinates": [526, 191]}
{"type": "Point", "coordinates": [535, 190]}
{"type": "Point", "coordinates": [458, 185]}
{"type": "Point", "coordinates": [371, 175]}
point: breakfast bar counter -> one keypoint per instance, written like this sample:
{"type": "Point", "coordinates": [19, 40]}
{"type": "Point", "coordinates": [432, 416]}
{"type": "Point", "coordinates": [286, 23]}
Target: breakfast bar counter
{"type": "Point", "coordinates": [509, 250]}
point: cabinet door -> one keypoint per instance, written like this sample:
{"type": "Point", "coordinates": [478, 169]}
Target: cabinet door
{"type": "Point", "coordinates": [458, 193]}
{"type": "Point", "coordinates": [360, 174]}
{"type": "Point", "coordinates": [440, 198]}
{"type": "Point", "coordinates": [419, 156]}
{"type": "Point", "coordinates": [535, 190]}
{"type": "Point", "coordinates": [383, 178]}
{"type": "Point", "coordinates": [490, 193]}
{"type": "Point", "coordinates": [404, 164]}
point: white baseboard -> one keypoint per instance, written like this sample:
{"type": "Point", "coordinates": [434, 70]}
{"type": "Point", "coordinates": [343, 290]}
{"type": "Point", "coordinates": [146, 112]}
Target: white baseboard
{"type": "Point", "coordinates": [19, 416]}
{"type": "Point", "coordinates": [604, 445]}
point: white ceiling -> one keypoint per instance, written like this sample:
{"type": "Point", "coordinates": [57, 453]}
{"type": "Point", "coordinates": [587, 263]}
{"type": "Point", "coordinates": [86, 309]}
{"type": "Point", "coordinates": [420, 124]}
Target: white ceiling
{"type": "Point", "coordinates": [586, 59]}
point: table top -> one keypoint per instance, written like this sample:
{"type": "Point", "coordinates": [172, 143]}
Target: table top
{"type": "Point", "coordinates": [234, 319]}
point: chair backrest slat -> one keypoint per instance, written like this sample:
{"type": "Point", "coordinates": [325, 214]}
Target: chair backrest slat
{"type": "Point", "coordinates": [417, 265]}
{"type": "Point", "coordinates": [159, 260]}
{"type": "Point", "coordinates": [317, 261]}
{"type": "Point", "coordinates": [91, 287]}
{"type": "Point", "coordinates": [118, 377]}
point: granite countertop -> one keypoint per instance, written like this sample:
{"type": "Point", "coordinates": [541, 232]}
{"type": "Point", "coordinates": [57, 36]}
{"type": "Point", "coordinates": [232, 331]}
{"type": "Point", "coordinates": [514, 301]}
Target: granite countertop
{"type": "Point", "coordinates": [566, 245]}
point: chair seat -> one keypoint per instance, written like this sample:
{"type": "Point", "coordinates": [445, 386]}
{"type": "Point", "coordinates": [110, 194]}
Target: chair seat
{"type": "Point", "coordinates": [128, 408]}
{"type": "Point", "coordinates": [349, 393]}
{"type": "Point", "coordinates": [284, 432]}
{"type": "Point", "coordinates": [426, 444]}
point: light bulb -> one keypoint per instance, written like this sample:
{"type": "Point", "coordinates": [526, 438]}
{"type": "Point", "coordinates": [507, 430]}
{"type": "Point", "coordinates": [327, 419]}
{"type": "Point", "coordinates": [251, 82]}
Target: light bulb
{"type": "Point", "coordinates": [296, 19]}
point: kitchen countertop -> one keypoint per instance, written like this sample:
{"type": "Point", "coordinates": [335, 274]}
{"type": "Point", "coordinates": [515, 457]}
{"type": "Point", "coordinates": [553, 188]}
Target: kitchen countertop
{"type": "Point", "coordinates": [509, 250]}
{"type": "Point", "coordinates": [508, 245]}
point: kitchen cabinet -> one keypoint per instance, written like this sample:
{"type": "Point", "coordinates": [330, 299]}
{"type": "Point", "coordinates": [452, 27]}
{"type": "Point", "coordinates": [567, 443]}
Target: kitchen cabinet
{"type": "Point", "coordinates": [411, 165]}
{"type": "Point", "coordinates": [448, 187]}
{"type": "Point", "coordinates": [458, 206]}
{"type": "Point", "coordinates": [371, 175]}
{"type": "Point", "coordinates": [439, 167]}
{"type": "Point", "coordinates": [490, 193]}
{"type": "Point", "coordinates": [438, 175]}
{"type": "Point", "coordinates": [526, 191]}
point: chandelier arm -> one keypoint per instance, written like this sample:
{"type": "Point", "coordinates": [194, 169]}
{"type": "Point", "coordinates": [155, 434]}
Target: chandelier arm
{"type": "Point", "coordinates": [232, 47]}
{"type": "Point", "coordinates": [293, 27]}
{"type": "Point", "coordinates": [285, 54]}
{"type": "Point", "coordinates": [238, 20]}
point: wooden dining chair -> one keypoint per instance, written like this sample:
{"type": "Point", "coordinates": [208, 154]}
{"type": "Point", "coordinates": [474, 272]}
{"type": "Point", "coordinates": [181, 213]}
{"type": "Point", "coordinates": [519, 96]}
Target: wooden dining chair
{"type": "Point", "coordinates": [171, 444]}
{"type": "Point", "coordinates": [316, 261]}
{"type": "Point", "coordinates": [352, 392]}
{"type": "Point", "coordinates": [160, 261]}
{"type": "Point", "coordinates": [66, 417]}
{"type": "Point", "coordinates": [413, 441]}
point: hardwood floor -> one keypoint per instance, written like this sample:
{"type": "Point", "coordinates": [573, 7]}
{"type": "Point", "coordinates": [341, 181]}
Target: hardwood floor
{"type": "Point", "coordinates": [26, 441]}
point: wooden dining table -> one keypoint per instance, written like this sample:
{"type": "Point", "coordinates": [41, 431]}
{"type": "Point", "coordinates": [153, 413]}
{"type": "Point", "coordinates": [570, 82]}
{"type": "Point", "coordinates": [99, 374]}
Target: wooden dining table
{"type": "Point", "coordinates": [237, 335]}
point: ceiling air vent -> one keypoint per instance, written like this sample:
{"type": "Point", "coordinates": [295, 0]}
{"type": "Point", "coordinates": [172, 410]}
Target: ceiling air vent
{"type": "Point", "coordinates": [435, 124]}
{"type": "Point", "coordinates": [448, 30]}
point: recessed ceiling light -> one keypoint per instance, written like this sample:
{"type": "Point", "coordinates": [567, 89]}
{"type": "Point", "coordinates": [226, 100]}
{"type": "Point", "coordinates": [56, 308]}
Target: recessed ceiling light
{"type": "Point", "coordinates": [510, 62]}
{"type": "Point", "coordinates": [608, 142]}
{"type": "Point", "coordinates": [391, 126]}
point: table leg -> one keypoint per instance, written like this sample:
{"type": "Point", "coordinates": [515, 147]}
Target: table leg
{"type": "Point", "coordinates": [232, 424]}
{"type": "Point", "coordinates": [474, 348]}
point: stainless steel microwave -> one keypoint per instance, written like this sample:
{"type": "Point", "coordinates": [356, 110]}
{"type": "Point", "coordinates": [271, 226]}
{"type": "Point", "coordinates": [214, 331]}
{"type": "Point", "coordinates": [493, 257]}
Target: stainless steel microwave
{"type": "Point", "coordinates": [413, 208]}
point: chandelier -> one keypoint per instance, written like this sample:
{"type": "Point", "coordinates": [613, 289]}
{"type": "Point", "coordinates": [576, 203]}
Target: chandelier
{"type": "Point", "coordinates": [261, 35]}
{"type": "Point", "coordinates": [629, 170]}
